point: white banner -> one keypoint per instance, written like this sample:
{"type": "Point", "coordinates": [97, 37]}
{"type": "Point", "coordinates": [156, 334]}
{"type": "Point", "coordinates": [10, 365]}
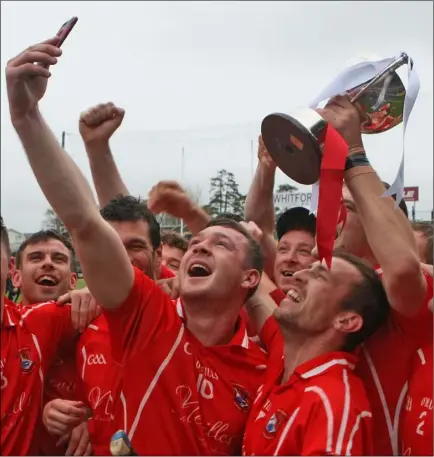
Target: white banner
{"type": "Point", "coordinates": [286, 200]}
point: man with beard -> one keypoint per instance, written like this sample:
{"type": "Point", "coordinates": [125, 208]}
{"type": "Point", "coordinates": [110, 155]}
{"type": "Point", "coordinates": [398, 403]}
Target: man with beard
{"type": "Point", "coordinates": [312, 402]}
{"type": "Point", "coordinates": [187, 373]}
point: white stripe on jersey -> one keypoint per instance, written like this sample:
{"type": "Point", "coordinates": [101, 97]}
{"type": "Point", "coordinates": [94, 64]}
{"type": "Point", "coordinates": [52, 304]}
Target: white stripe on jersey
{"type": "Point", "coordinates": [154, 382]}
{"type": "Point", "coordinates": [329, 412]}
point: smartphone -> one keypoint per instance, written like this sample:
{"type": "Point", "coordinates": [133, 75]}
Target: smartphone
{"type": "Point", "coordinates": [65, 30]}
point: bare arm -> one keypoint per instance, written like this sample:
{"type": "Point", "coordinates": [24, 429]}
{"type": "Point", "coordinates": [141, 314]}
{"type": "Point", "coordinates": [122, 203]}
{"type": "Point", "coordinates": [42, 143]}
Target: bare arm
{"type": "Point", "coordinates": [259, 207]}
{"type": "Point", "coordinates": [106, 267]}
{"type": "Point", "coordinates": [96, 126]}
{"type": "Point", "coordinates": [387, 230]}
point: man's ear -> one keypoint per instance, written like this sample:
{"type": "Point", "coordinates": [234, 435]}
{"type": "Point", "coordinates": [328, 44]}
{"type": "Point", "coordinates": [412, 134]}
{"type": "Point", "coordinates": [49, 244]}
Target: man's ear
{"type": "Point", "coordinates": [73, 281]}
{"type": "Point", "coordinates": [16, 278]}
{"type": "Point", "coordinates": [348, 322]}
{"type": "Point", "coordinates": [251, 279]}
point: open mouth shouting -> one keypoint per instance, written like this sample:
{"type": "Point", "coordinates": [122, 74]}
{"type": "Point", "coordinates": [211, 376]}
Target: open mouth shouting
{"type": "Point", "coordinates": [199, 270]}
{"type": "Point", "coordinates": [47, 281]}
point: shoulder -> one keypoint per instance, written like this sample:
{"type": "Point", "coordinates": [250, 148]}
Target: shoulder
{"type": "Point", "coordinates": [337, 392]}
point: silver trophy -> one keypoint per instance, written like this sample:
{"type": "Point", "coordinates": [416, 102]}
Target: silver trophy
{"type": "Point", "coordinates": [295, 140]}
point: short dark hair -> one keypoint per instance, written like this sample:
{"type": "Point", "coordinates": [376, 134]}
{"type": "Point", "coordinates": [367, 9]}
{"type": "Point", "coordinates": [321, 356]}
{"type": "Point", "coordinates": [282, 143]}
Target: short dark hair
{"type": "Point", "coordinates": [231, 216]}
{"type": "Point", "coordinates": [5, 236]}
{"type": "Point", "coordinates": [41, 237]}
{"type": "Point", "coordinates": [174, 240]}
{"type": "Point", "coordinates": [368, 299]}
{"type": "Point", "coordinates": [426, 229]}
{"type": "Point", "coordinates": [254, 258]}
{"type": "Point", "coordinates": [126, 208]}
{"type": "Point", "coordinates": [296, 219]}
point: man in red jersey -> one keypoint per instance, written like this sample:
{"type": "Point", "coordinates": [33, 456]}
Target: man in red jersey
{"type": "Point", "coordinates": [195, 358]}
{"type": "Point", "coordinates": [45, 271]}
{"type": "Point", "coordinates": [29, 339]}
{"type": "Point", "coordinates": [416, 422]}
{"type": "Point", "coordinates": [378, 232]}
{"type": "Point", "coordinates": [140, 234]}
{"type": "Point", "coordinates": [312, 402]}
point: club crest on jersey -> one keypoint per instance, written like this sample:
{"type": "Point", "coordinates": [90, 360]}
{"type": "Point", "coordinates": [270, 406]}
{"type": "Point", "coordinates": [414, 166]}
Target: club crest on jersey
{"type": "Point", "coordinates": [274, 423]}
{"type": "Point", "coordinates": [26, 362]}
{"type": "Point", "coordinates": [241, 398]}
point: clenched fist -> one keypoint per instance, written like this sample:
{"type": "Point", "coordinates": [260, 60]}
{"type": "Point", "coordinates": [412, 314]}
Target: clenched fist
{"type": "Point", "coordinates": [170, 198]}
{"type": "Point", "coordinates": [98, 124]}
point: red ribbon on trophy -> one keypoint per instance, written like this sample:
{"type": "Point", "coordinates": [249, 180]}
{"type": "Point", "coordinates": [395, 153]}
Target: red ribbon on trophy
{"type": "Point", "coordinates": [331, 210]}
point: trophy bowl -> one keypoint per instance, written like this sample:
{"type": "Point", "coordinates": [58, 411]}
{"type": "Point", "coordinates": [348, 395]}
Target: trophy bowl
{"type": "Point", "coordinates": [295, 140]}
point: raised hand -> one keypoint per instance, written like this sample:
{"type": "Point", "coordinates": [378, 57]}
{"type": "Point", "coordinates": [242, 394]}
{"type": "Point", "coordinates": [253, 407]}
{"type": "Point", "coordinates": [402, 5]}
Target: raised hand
{"type": "Point", "coordinates": [84, 308]}
{"type": "Point", "coordinates": [98, 124]}
{"type": "Point", "coordinates": [346, 119]}
{"type": "Point", "coordinates": [27, 76]}
{"type": "Point", "coordinates": [170, 198]}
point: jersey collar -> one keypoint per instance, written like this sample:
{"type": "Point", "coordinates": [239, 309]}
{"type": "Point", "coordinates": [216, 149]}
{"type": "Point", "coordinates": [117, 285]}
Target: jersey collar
{"type": "Point", "coordinates": [326, 362]}
{"type": "Point", "coordinates": [241, 338]}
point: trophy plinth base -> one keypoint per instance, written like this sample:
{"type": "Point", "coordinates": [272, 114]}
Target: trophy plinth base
{"type": "Point", "coordinates": [294, 142]}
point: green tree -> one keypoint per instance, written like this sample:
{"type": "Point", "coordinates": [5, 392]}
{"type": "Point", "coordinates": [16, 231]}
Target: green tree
{"type": "Point", "coordinates": [225, 196]}
{"type": "Point", "coordinates": [52, 222]}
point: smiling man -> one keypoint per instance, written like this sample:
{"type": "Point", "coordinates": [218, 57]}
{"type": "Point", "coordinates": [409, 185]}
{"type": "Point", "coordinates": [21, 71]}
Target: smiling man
{"type": "Point", "coordinates": [44, 268]}
{"type": "Point", "coordinates": [186, 373]}
{"type": "Point", "coordinates": [312, 402]}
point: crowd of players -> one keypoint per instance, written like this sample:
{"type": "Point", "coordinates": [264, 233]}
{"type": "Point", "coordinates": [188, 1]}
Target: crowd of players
{"type": "Point", "coordinates": [233, 343]}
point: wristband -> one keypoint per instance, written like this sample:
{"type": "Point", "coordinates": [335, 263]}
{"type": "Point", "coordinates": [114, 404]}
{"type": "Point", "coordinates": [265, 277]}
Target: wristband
{"type": "Point", "coordinates": [357, 160]}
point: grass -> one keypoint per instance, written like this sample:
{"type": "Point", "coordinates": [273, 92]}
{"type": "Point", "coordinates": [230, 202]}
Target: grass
{"type": "Point", "coordinates": [81, 283]}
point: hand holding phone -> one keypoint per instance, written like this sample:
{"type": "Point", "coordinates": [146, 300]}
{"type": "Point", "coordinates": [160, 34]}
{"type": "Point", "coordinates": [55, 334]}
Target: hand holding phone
{"type": "Point", "coordinates": [65, 30]}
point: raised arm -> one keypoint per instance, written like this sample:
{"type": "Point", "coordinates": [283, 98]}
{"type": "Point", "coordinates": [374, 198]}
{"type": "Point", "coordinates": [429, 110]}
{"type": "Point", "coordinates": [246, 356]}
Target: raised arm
{"type": "Point", "coordinates": [387, 230]}
{"type": "Point", "coordinates": [108, 272]}
{"type": "Point", "coordinates": [96, 127]}
{"type": "Point", "coordinates": [259, 207]}
{"type": "Point", "coordinates": [170, 198]}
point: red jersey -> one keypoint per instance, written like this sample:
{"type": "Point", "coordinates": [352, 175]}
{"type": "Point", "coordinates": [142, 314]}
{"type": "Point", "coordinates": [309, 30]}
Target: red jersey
{"type": "Point", "coordinates": [94, 366]}
{"type": "Point", "coordinates": [165, 273]}
{"type": "Point", "coordinates": [321, 410]}
{"type": "Point", "coordinates": [416, 424]}
{"type": "Point", "coordinates": [178, 397]}
{"type": "Point", "coordinates": [29, 339]}
{"type": "Point", "coordinates": [61, 382]}
{"type": "Point", "coordinates": [386, 376]}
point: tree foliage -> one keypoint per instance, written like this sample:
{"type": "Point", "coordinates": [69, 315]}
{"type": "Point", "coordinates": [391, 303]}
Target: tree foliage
{"type": "Point", "coordinates": [52, 222]}
{"type": "Point", "coordinates": [224, 195]}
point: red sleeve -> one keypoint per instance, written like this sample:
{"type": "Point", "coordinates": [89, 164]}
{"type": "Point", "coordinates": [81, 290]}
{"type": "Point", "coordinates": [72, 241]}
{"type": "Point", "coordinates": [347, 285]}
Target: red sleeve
{"type": "Point", "coordinates": [418, 329]}
{"type": "Point", "coordinates": [51, 324]}
{"type": "Point", "coordinates": [331, 425]}
{"type": "Point", "coordinates": [146, 313]}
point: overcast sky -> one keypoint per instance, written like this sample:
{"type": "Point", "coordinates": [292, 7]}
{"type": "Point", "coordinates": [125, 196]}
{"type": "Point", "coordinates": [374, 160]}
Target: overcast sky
{"type": "Point", "coordinates": [202, 75]}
